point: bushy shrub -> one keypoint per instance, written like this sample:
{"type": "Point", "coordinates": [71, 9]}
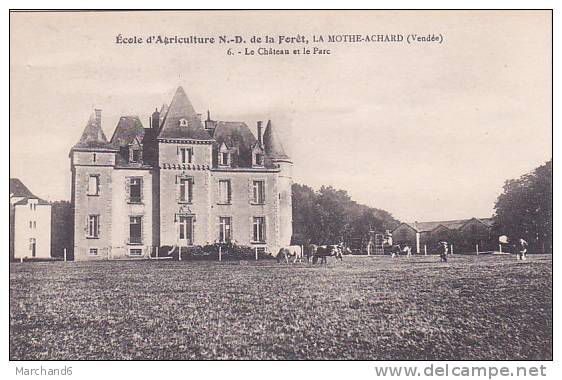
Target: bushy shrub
{"type": "Point", "coordinates": [229, 251]}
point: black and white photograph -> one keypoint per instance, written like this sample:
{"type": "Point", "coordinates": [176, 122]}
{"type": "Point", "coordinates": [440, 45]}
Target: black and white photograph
{"type": "Point", "coordinates": [281, 185]}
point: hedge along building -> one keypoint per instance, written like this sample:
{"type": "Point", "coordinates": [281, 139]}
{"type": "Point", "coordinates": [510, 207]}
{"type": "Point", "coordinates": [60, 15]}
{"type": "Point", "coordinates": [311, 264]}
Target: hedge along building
{"type": "Point", "coordinates": [183, 181]}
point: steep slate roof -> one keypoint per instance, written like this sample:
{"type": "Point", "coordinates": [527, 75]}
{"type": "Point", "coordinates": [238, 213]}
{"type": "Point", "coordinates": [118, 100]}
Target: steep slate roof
{"type": "Point", "coordinates": [235, 135]}
{"type": "Point", "coordinates": [93, 136]}
{"type": "Point", "coordinates": [18, 189]}
{"type": "Point", "coordinates": [181, 108]}
{"type": "Point", "coordinates": [273, 147]}
{"type": "Point", "coordinates": [127, 129]}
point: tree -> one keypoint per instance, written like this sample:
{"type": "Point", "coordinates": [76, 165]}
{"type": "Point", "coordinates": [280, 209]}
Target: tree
{"type": "Point", "coordinates": [329, 216]}
{"type": "Point", "coordinates": [524, 209]}
{"type": "Point", "coordinates": [62, 229]}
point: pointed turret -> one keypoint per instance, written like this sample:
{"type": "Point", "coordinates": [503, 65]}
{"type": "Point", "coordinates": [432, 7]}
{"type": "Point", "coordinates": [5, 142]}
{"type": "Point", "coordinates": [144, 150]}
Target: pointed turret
{"type": "Point", "coordinates": [181, 121]}
{"type": "Point", "coordinates": [273, 147]}
{"type": "Point", "coordinates": [93, 136]}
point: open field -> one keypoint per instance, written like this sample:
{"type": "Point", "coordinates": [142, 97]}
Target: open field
{"type": "Point", "coordinates": [473, 307]}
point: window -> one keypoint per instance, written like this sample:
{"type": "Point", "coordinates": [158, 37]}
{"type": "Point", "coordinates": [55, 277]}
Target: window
{"type": "Point", "coordinates": [258, 192]}
{"type": "Point", "coordinates": [31, 206]}
{"type": "Point", "coordinates": [225, 194]}
{"type": "Point", "coordinates": [30, 224]}
{"type": "Point", "coordinates": [183, 123]}
{"type": "Point", "coordinates": [94, 185]}
{"type": "Point", "coordinates": [224, 229]}
{"type": "Point", "coordinates": [94, 158]}
{"type": "Point", "coordinates": [33, 246]}
{"type": "Point", "coordinates": [135, 252]}
{"type": "Point", "coordinates": [224, 159]}
{"type": "Point", "coordinates": [34, 224]}
{"type": "Point", "coordinates": [135, 190]}
{"type": "Point", "coordinates": [135, 155]}
{"type": "Point", "coordinates": [93, 252]}
{"type": "Point", "coordinates": [93, 226]}
{"type": "Point", "coordinates": [259, 159]}
{"type": "Point", "coordinates": [259, 229]}
{"type": "Point", "coordinates": [186, 190]}
{"type": "Point", "coordinates": [135, 230]}
{"type": "Point", "coordinates": [186, 155]}
{"type": "Point", "coordinates": [186, 230]}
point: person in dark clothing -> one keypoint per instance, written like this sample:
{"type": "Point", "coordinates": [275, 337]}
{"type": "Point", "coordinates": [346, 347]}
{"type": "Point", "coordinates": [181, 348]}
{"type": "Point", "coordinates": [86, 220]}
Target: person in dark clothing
{"type": "Point", "coordinates": [443, 251]}
{"type": "Point", "coordinates": [521, 249]}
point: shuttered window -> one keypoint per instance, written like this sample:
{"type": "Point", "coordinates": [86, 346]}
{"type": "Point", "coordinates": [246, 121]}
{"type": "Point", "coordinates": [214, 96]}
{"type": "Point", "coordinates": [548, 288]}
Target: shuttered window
{"type": "Point", "coordinates": [259, 229]}
{"type": "Point", "coordinates": [258, 192]}
{"type": "Point", "coordinates": [225, 229]}
{"type": "Point", "coordinates": [225, 193]}
{"type": "Point", "coordinates": [93, 226]}
{"type": "Point", "coordinates": [186, 190]}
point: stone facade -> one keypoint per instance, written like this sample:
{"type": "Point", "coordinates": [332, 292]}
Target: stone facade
{"type": "Point", "coordinates": [181, 182]}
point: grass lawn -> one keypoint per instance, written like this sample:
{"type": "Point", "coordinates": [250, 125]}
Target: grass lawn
{"type": "Point", "coordinates": [473, 307]}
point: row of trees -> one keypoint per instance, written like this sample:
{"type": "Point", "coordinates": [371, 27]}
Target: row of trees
{"type": "Point", "coordinates": [524, 209]}
{"type": "Point", "coordinates": [329, 216]}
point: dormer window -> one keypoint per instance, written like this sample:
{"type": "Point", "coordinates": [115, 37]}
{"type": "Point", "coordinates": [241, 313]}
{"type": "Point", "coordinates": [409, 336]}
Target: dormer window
{"type": "Point", "coordinates": [183, 122]}
{"type": "Point", "coordinates": [257, 155]}
{"type": "Point", "coordinates": [135, 155]}
{"type": "Point", "coordinates": [224, 155]}
{"type": "Point", "coordinates": [224, 159]}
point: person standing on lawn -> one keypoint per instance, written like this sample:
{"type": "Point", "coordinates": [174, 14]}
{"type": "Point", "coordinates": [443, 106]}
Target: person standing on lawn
{"type": "Point", "coordinates": [521, 247]}
{"type": "Point", "coordinates": [443, 251]}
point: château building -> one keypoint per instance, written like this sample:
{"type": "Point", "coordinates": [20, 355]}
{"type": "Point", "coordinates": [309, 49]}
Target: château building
{"type": "Point", "coordinates": [183, 181]}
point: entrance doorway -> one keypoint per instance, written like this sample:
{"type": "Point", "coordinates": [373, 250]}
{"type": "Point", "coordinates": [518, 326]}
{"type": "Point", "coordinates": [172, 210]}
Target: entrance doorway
{"type": "Point", "coordinates": [33, 247]}
{"type": "Point", "coordinates": [186, 230]}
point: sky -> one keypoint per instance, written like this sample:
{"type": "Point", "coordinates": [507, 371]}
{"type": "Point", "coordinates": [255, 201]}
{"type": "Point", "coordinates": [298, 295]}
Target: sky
{"type": "Point", "coordinates": [426, 131]}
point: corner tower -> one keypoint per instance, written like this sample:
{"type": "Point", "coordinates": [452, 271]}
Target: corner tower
{"type": "Point", "coordinates": [92, 160]}
{"type": "Point", "coordinates": [275, 154]}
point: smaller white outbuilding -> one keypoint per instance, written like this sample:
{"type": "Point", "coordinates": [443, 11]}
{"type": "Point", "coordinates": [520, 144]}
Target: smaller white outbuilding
{"type": "Point", "coordinates": [30, 224]}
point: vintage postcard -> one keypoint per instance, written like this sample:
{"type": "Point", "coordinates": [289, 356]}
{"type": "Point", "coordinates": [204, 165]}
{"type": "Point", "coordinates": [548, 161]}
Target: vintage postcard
{"type": "Point", "coordinates": [281, 185]}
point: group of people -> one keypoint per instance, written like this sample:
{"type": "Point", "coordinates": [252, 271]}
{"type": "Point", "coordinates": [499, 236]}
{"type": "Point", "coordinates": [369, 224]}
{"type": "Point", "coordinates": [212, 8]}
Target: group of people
{"type": "Point", "coordinates": [443, 250]}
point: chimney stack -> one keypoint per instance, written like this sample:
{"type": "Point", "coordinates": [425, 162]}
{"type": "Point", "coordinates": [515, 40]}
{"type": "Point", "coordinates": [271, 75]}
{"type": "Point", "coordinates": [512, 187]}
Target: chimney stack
{"type": "Point", "coordinates": [259, 132]}
{"type": "Point", "coordinates": [155, 119]}
{"type": "Point", "coordinates": [98, 117]}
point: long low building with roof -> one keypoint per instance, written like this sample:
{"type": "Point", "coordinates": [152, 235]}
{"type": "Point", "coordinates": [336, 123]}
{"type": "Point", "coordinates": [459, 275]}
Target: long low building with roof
{"type": "Point", "coordinates": [464, 234]}
{"type": "Point", "coordinates": [181, 182]}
